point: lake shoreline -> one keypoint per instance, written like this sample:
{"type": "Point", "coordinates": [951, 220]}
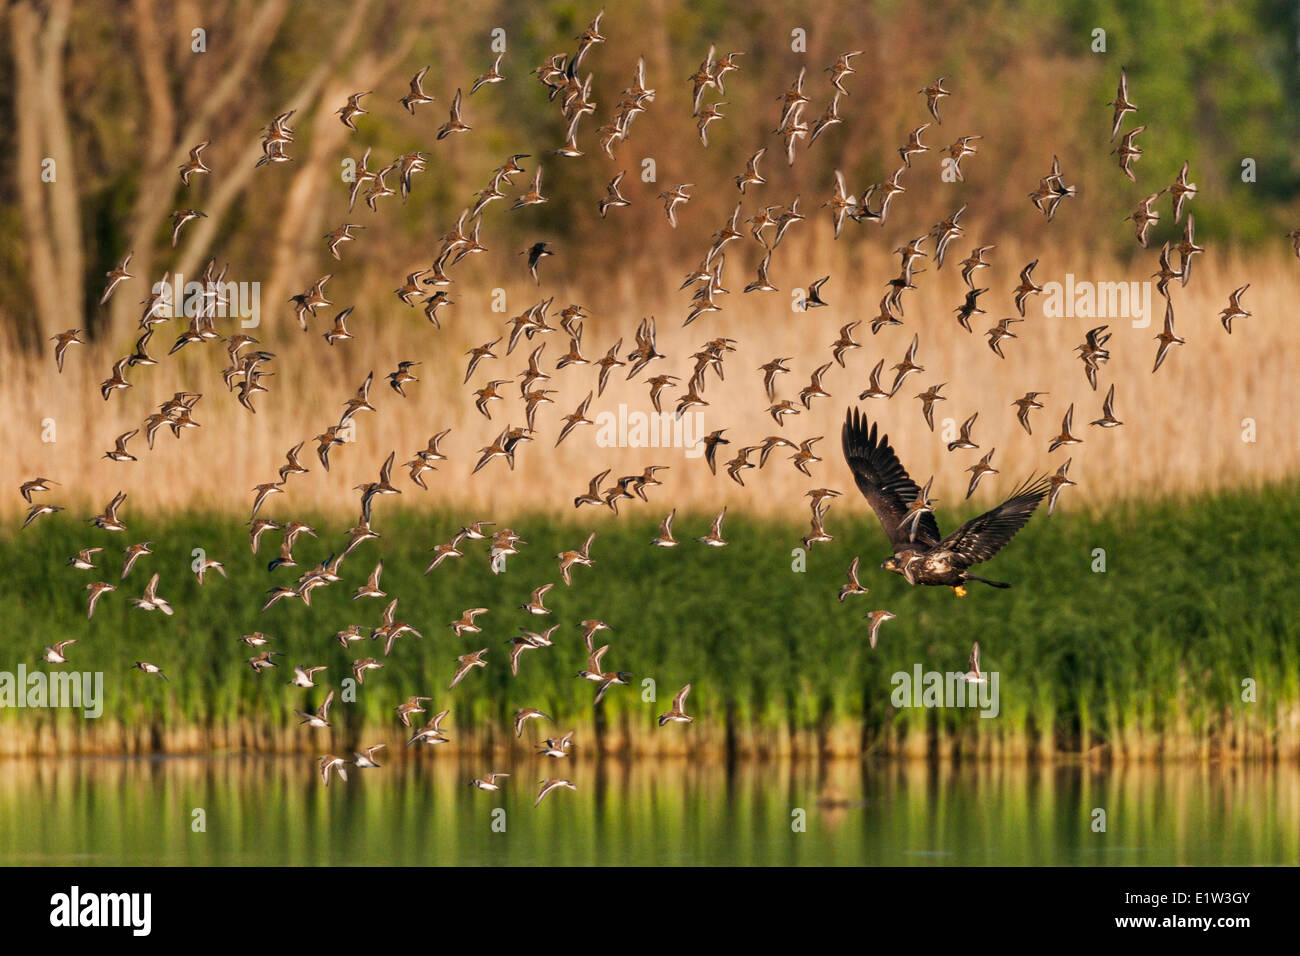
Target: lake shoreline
{"type": "Point", "coordinates": [845, 741]}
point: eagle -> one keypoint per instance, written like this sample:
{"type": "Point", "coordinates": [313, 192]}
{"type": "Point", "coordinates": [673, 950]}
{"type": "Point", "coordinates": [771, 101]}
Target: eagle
{"type": "Point", "coordinates": [921, 555]}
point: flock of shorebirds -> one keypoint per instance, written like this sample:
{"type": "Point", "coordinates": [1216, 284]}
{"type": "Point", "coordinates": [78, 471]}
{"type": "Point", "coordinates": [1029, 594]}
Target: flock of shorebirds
{"type": "Point", "coordinates": [906, 510]}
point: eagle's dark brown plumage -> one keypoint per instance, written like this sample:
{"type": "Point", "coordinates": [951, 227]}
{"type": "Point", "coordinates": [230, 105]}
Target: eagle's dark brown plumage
{"type": "Point", "coordinates": [921, 554]}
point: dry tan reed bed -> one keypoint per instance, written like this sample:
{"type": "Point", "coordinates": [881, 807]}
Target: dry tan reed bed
{"type": "Point", "coordinates": [1182, 431]}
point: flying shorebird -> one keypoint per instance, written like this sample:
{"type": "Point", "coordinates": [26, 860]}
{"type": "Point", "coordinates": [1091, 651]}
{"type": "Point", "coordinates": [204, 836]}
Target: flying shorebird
{"type": "Point", "coordinates": [493, 75]}
{"type": "Point", "coordinates": [117, 380]}
{"type": "Point", "coordinates": [1167, 337]}
{"type": "Point", "coordinates": [963, 441]}
{"type": "Point", "coordinates": [84, 560]}
{"type": "Point", "coordinates": [1121, 103]}
{"type": "Point", "coordinates": [999, 332]}
{"type": "Point", "coordinates": [339, 236]}
{"type": "Point", "coordinates": [488, 781]}
{"type": "Point", "coordinates": [318, 718]}
{"type": "Point", "coordinates": [133, 553]}
{"type": "Point", "coordinates": [874, 389]}
{"type": "Point", "coordinates": [54, 653]}
{"type": "Point", "coordinates": [119, 452]}
{"type": "Point", "coordinates": [330, 762]}
{"type": "Point", "coordinates": [1025, 405]}
{"type": "Point", "coordinates": [537, 602]}
{"type": "Point", "coordinates": [853, 585]}
{"type": "Point", "coordinates": [1027, 287]}
{"type": "Point", "coordinates": [907, 366]}
{"type": "Point", "coordinates": [371, 587]}
{"type": "Point", "coordinates": [116, 276]}
{"type": "Point", "coordinates": [979, 470]}
{"type": "Point", "coordinates": [751, 177]}
{"type": "Point", "coordinates": [928, 398]}
{"type": "Point", "coordinates": [1065, 437]}
{"type": "Point", "coordinates": [813, 298]}
{"type": "Point", "coordinates": [467, 662]}
{"type": "Point", "coordinates": [714, 538]}
{"type": "Point", "coordinates": [706, 115]}
{"type": "Point", "coordinates": [1234, 309]}
{"type": "Point", "coordinates": [466, 625]}
{"type": "Point", "coordinates": [194, 165]}
{"type": "Point", "coordinates": [109, 520]}
{"type": "Point", "coordinates": [1129, 152]}
{"type": "Point", "coordinates": [569, 558]}
{"type": "Point", "coordinates": [359, 668]}
{"type": "Point", "coordinates": [1181, 191]}
{"type": "Point", "coordinates": [302, 676]}
{"type": "Point", "coordinates": [677, 713]}
{"type": "Point", "coordinates": [534, 195]}
{"type": "Point", "coordinates": [922, 556]}
{"type": "Point", "coordinates": [524, 714]}
{"type": "Point", "coordinates": [38, 510]}
{"type": "Point", "coordinates": [973, 676]}
{"type": "Point", "coordinates": [417, 95]}
{"type": "Point", "coordinates": [933, 93]}
{"type": "Point", "coordinates": [263, 661]}
{"type": "Point", "coordinates": [63, 341]}
{"type": "Point", "coordinates": [1108, 419]}
{"type": "Point", "coordinates": [179, 218]}
{"type": "Point", "coordinates": [914, 145]}
{"type": "Point", "coordinates": [1059, 483]}
{"type": "Point", "coordinates": [613, 198]}
{"type": "Point", "coordinates": [351, 109]}
{"type": "Point", "coordinates": [878, 618]}
{"type": "Point", "coordinates": [970, 307]}
{"type": "Point", "coordinates": [455, 123]}
{"type": "Point", "coordinates": [841, 68]}
{"type": "Point", "coordinates": [557, 747]}
{"type": "Point", "coordinates": [444, 551]}
{"type": "Point", "coordinates": [550, 784]}
{"type": "Point", "coordinates": [814, 388]}
{"type": "Point", "coordinates": [535, 253]}
{"type": "Point", "coordinates": [665, 539]}
{"type": "Point", "coordinates": [1143, 217]}
{"type": "Point", "coordinates": [673, 198]}
{"type": "Point", "coordinates": [972, 262]}
{"type": "Point", "coordinates": [97, 590]}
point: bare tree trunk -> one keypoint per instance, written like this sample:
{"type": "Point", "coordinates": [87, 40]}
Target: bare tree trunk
{"type": "Point", "coordinates": [24, 26]}
{"type": "Point", "coordinates": [151, 59]}
{"type": "Point", "coordinates": [65, 210]}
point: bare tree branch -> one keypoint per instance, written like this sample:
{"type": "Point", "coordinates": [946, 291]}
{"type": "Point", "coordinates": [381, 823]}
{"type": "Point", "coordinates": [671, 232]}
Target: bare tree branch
{"type": "Point", "coordinates": [232, 184]}
{"type": "Point", "coordinates": [152, 204]}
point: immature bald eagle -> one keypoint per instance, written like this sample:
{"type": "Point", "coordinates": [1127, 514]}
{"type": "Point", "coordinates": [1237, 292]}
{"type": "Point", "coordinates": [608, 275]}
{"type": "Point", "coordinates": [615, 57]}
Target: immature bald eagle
{"type": "Point", "coordinates": [921, 555]}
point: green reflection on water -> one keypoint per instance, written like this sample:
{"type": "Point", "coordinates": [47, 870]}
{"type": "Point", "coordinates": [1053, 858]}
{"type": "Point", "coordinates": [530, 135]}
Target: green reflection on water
{"type": "Point", "coordinates": [274, 811]}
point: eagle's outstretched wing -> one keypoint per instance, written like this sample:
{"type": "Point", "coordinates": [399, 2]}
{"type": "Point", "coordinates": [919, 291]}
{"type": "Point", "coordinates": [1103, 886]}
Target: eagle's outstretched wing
{"type": "Point", "coordinates": [884, 481]}
{"type": "Point", "coordinates": [981, 538]}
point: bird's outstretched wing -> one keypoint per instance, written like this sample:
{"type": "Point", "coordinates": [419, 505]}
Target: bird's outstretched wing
{"type": "Point", "coordinates": [981, 538]}
{"type": "Point", "coordinates": [884, 481]}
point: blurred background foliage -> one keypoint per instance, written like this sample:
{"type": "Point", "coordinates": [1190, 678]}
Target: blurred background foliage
{"type": "Point", "coordinates": [1215, 83]}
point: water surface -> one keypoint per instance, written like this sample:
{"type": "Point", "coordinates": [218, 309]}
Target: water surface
{"type": "Point", "coordinates": [274, 811]}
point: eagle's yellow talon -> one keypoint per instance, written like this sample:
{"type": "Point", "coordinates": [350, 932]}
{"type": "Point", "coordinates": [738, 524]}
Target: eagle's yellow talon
{"type": "Point", "coordinates": [959, 590]}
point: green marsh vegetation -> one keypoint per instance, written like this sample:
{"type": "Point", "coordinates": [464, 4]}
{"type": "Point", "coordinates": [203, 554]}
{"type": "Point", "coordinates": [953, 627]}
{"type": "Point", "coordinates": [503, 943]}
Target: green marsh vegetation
{"type": "Point", "coordinates": [1145, 659]}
